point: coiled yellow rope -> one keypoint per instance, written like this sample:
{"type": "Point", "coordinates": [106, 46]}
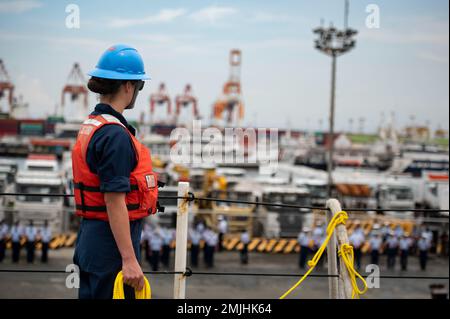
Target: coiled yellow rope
{"type": "Point", "coordinates": [346, 252]}
{"type": "Point", "coordinates": [118, 293]}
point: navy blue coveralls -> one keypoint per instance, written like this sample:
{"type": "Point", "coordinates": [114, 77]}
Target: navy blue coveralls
{"type": "Point", "coordinates": [110, 155]}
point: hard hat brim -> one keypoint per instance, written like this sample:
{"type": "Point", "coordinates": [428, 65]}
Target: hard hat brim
{"type": "Point", "coordinates": [113, 75]}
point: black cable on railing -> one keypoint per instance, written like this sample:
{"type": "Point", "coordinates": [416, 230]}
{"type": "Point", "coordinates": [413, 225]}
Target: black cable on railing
{"type": "Point", "coordinates": [192, 197]}
{"type": "Point", "coordinates": [59, 271]}
{"type": "Point", "coordinates": [348, 210]}
{"type": "Point", "coordinates": [235, 201]}
{"type": "Point", "coordinates": [189, 273]}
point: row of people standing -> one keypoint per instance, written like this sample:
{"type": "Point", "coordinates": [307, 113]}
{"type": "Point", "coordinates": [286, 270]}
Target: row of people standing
{"type": "Point", "coordinates": [396, 242]}
{"type": "Point", "coordinates": [403, 244]}
{"type": "Point", "coordinates": [157, 245]}
{"type": "Point", "coordinates": [214, 241]}
{"type": "Point", "coordinates": [31, 233]}
{"type": "Point", "coordinates": [310, 241]}
{"type": "Point", "coordinates": [393, 242]}
{"type": "Point", "coordinates": [211, 243]}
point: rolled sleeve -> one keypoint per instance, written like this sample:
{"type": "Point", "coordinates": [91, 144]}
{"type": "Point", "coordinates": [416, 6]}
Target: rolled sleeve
{"type": "Point", "coordinates": [119, 184]}
{"type": "Point", "coordinates": [111, 156]}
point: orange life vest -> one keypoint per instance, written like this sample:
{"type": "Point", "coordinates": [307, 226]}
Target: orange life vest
{"type": "Point", "coordinates": [141, 200]}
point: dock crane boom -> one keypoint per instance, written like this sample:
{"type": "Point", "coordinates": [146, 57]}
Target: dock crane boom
{"type": "Point", "coordinates": [6, 85]}
{"type": "Point", "coordinates": [231, 99]}
{"type": "Point", "coordinates": [160, 98]}
{"type": "Point", "coordinates": [75, 86]}
{"type": "Point", "coordinates": [184, 100]}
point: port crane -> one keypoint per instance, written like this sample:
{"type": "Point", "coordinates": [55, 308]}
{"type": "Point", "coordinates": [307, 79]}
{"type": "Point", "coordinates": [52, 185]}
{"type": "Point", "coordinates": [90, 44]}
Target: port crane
{"type": "Point", "coordinates": [184, 100]}
{"type": "Point", "coordinates": [160, 98]}
{"type": "Point", "coordinates": [231, 99]}
{"type": "Point", "coordinates": [6, 85]}
{"type": "Point", "coordinates": [76, 87]}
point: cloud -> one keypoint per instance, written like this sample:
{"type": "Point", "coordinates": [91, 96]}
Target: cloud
{"type": "Point", "coordinates": [19, 6]}
{"type": "Point", "coordinates": [212, 14]}
{"type": "Point", "coordinates": [63, 43]}
{"type": "Point", "coordinates": [392, 37]}
{"type": "Point", "coordinates": [428, 56]}
{"type": "Point", "coordinates": [163, 16]}
{"type": "Point", "coordinates": [421, 30]}
{"type": "Point", "coordinates": [269, 17]}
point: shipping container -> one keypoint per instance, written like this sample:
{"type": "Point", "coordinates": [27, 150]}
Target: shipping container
{"type": "Point", "coordinates": [31, 127]}
{"type": "Point", "coordinates": [9, 127]}
{"type": "Point", "coordinates": [49, 128]}
{"type": "Point", "coordinates": [55, 119]}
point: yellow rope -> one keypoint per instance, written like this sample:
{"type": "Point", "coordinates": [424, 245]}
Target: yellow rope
{"type": "Point", "coordinates": [346, 253]}
{"type": "Point", "coordinates": [118, 293]}
{"type": "Point", "coordinates": [339, 218]}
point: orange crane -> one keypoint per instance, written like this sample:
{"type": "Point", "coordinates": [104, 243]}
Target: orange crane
{"type": "Point", "coordinates": [6, 85]}
{"type": "Point", "coordinates": [184, 100]}
{"type": "Point", "coordinates": [231, 99]}
{"type": "Point", "coordinates": [160, 98]}
{"type": "Point", "coordinates": [75, 86]}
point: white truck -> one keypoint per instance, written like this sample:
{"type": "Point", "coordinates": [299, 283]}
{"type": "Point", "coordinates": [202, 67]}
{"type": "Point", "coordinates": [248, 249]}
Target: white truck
{"type": "Point", "coordinates": [430, 191]}
{"type": "Point", "coordinates": [40, 176]}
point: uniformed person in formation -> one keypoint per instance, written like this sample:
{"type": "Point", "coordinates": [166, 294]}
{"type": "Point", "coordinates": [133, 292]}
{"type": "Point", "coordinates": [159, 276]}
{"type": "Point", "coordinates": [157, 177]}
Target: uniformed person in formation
{"type": "Point", "coordinates": [223, 229]}
{"type": "Point", "coordinates": [375, 243]}
{"type": "Point", "coordinates": [3, 237]}
{"type": "Point", "coordinates": [194, 237]}
{"type": "Point", "coordinates": [304, 240]}
{"type": "Point", "coordinates": [392, 250]}
{"type": "Point", "coordinates": [399, 232]}
{"type": "Point", "coordinates": [115, 187]}
{"type": "Point", "coordinates": [319, 235]}
{"type": "Point", "coordinates": [423, 245]}
{"type": "Point", "coordinates": [404, 244]}
{"type": "Point", "coordinates": [144, 242]}
{"type": "Point", "coordinates": [385, 230]}
{"type": "Point", "coordinates": [357, 240]}
{"type": "Point", "coordinates": [167, 237]}
{"type": "Point", "coordinates": [46, 235]}
{"type": "Point", "coordinates": [245, 240]}
{"type": "Point", "coordinates": [155, 242]}
{"type": "Point", "coordinates": [211, 239]}
{"type": "Point", "coordinates": [200, 227]}
{"type": "Point", "coordinates": [428, 235]}
{"type": "Point", "coordinates": [30, 234]}
{"type": "Point", "coordinates": [16, 235]}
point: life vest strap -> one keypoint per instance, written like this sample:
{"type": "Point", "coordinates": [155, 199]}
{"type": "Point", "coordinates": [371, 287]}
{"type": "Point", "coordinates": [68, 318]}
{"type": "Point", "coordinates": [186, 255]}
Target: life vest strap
{"type": "Point", "coordinates": [85, 208]}
{"type": "Point", "coordinates": [86, 188]}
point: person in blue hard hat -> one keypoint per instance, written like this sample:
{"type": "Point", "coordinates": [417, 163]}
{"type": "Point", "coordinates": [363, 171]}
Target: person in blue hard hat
{"type": "Point", "coordinates": [114, 185]}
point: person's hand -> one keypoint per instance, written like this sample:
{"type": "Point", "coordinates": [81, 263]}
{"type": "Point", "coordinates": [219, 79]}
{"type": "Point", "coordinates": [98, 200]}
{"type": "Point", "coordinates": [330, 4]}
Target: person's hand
{"type": "Point", "coordinates": [132, 273]}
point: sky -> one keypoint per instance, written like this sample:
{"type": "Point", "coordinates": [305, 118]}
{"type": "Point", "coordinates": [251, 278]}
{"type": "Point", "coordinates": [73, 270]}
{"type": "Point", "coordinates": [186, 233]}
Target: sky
{"type": "Point", "coordinates": [400, 69]}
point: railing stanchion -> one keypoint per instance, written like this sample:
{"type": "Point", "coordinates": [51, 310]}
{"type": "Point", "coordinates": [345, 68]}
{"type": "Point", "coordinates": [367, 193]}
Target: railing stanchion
{"type": "Point", "coordinates": [179, 289]}
{"type": "Point", "coordinates": [333, 284]}
{"type": "Point", "coordinates": [345, 286]}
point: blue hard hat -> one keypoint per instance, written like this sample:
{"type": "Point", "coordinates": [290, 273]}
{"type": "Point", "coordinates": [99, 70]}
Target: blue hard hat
{"type": "Point", "coordinates": [120, 62]}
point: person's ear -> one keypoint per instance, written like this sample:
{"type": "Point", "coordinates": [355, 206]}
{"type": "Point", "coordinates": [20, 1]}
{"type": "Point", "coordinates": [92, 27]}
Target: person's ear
{"type": "Point", "coordinates": [127, 87]}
